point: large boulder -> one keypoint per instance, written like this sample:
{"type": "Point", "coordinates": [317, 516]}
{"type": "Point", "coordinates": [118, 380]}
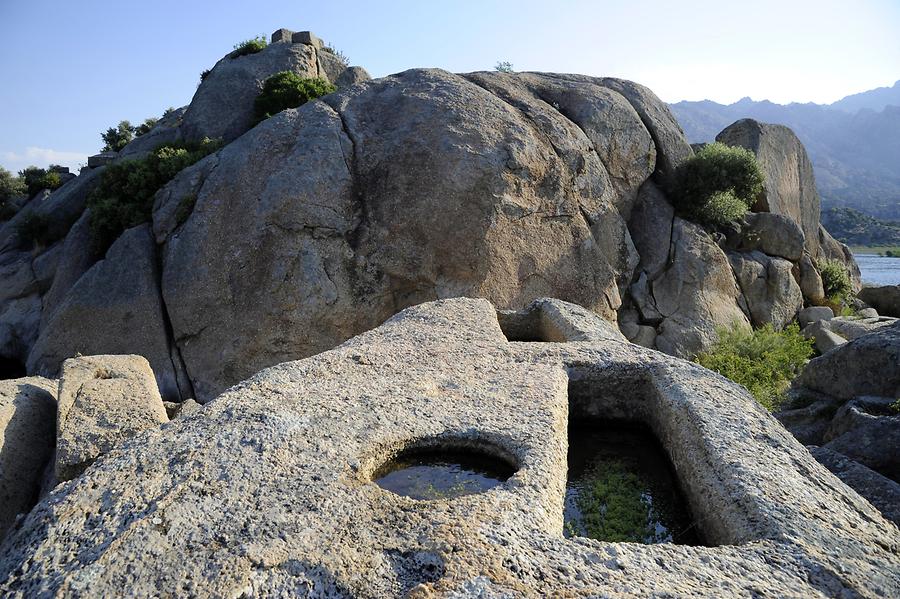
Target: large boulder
{"type": "Point", "coordinates": [696, 294]}
{"type": "Point", "coordinates": [270, 492]}
{"type": "Point", "coordinates": [885, 299]}
{"type": "Point", "coordinates": [867, 430]}
{"type": "Point", "coordinates": [878, 490]}
{"type": "Point", "coordinates": [772, 234]}
{"type": "Point", "coordinates": [865, 366]}
{"type": "Point", "coordinates": [768, 287]}
{"type": "Point", "coordinates": [27, 416]}
{"type": "Point", "coordinates": [789, 187]}
{"type": "Point", "coordinates": [394, 192]}
{"type": "Point", "coordinates": [103, 401]}
{"type": "Point", "coordinates": [114, 308]}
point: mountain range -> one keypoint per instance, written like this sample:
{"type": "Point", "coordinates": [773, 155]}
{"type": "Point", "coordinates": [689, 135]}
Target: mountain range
{"type": "Point", "coordinates": [854, 143]}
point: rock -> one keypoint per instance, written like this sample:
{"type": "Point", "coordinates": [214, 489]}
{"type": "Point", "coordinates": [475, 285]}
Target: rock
{"type": "Point", "coordinates": [76, 258]}
{"type": "Point", "coordinates": [306, 37]}
{"type": "Point", "coordinates": [101, 159]}
{"type": "Point", "coordinates": [352, 76]}
{"type": "Point", "coordinates": [282, 35]}
{"type": "Point", "coordinates": [769, 289]}
{"type": "Point", "coordinates": [810, 281]}
{"type": "Point", "coordinates": [825, 339]}
{"type": "Point", "coordinates": [867, 313]}
{"type": "Point", "coordinates": [551, 320]}
{"type": "Point", "coordinates": [651, 229]}
{"type": "Point", "coordinates": [533, 213]}
{"type": "Point", "coordinates": [27, 413]}
{"type": "Point", "coordinates": [772, 234]}
{"type": "Point", "coordinates": [868, 431]}
{"type": "Point", "coordinates": [813, 314]}
{"type": "Point", "coordinates": [115, 307]}
{"type": "Point", "coordinates": [809, 423]}
{"type": "Point", "coordinates": [789, 187]}
{"type": "Point", "coordinates": [645, 336]}
{"type": "Point", "coordinates": [853, 327]}
{"type": "Point", "coordinates": [103, 401]}
{"type": "Point", "coordinates": [166, 131]}
{"type": "Point", "coordinates": [864, 366]}
{"type": "Point", "coordinates": [696, 294]}
{"type": "Point", "coordinates": [885, 299]}
{"type": "Point", "coordinates": [878, 490]}
{"type": "Point", "coordinates": [222, 107]}
{"type": "Point", "coordinates": [260, 495]}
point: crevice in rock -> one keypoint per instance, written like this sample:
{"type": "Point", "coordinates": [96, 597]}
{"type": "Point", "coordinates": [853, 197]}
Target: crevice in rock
{"type": "Point", "coordinates": [179, 366]}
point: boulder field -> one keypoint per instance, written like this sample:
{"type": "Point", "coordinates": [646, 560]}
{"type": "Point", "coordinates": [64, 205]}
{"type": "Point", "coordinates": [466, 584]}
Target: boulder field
{"type": "Point", "coordinates": [323, 221]}
{"type": "Point", "coordinates": [268, 490]}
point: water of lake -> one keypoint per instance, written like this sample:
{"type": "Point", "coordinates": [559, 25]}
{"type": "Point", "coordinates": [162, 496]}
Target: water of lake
{"type": "Point", "coordinates": [878, 270]}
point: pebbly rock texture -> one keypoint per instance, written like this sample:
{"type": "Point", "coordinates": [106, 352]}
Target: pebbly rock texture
{"type": "Point", "coordinates": [27, 414]}
{"type": "Point", "coordinates": [222, 107]}
{"type": "Point", "coordinates": [270, 492]}
{"type": "Point", "coordinates": [885, 299]}
{"type": "Point", "coordinates": [103, 401]}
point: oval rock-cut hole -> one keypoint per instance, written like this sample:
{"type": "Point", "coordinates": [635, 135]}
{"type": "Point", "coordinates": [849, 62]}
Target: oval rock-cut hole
{"type": "Point", "coordinates": [442, 473]}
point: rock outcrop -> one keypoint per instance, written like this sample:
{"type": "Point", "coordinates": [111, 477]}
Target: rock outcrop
{"type": "Point", "coordinates": [885, 299]}
{"type": "Point", "coordinates": [27, 414]}
{"type": "Point", "coordinates": [245, 498]}
{"type": "Point", "coordinates": [103, 401]}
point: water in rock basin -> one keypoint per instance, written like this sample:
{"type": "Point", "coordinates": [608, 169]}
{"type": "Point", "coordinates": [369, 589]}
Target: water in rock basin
{"type": "Point", "coordinates": [621, 488]}
{"type": "Point", "coordinates": [442, 474]}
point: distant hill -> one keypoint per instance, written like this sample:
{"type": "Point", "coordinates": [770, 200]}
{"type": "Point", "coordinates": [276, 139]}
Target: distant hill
{"type": "Point", "coordinates": [854, 143]}
{"type": "Point", "coordinates": [855, 228]}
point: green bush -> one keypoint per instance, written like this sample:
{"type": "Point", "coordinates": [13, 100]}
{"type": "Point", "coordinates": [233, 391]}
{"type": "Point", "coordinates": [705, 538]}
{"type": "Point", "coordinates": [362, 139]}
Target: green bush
{"type": "Point", "coordinates": [204, 74]}
{"type": "Point", "coordinates": [288, 90]}
{"type": "Point", "coordinates": [146, 126]}
{"type": "Point", "coordinates": [116, 138]}
{"type": "Point", "coordinates": [718, 184]}
{"type": "Point", "coordinates": [36, 179]}
{"type": "Point", "coordinates": [124, 196]}
{"type": "Point", "coordinates": [11, 187]}
{"type": "Point", "coordinates": [37, 228]}
{"type": "Point", "coordinates": [835, 281]}
{"type": "Point", "coordinates": [251, 46]}
{"type": "Point", "coordinates": [765, 361]}
{"type": "Point", "coordinates": [504, 67]}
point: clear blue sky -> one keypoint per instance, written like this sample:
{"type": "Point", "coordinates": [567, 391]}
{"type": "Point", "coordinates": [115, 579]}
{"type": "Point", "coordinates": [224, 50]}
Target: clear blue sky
{"type": "Point", "coordinates": [71, 69]}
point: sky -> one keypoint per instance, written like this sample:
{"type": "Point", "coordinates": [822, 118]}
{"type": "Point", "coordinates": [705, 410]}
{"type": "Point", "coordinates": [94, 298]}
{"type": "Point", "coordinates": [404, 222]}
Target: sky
{"type": "Point", "coordinates": [72, 69]}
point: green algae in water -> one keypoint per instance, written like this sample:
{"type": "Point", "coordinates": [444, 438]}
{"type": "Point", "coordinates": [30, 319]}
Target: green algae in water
{"type": "Point", "coordinates": [442, 474]}
{"type": "Point", "coordinates": [621, 488]}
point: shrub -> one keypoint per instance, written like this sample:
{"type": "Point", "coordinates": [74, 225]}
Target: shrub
{"type": "Point", "coordinates": [36, 179]}
{"type": "Point", "coordinates": [146, 126]}
{"type": "Point", "coordinates": [765, 361]}
{"type": "Point", "coordinates": [116, 138]}
{"type": "Point", "coordinates": [36, 227]}
{"type": "Point", "coordinates": [504, 67]}
{"type": "Point", "coordinates": [718, 184]}
{"type": "Point", "coordinates": [835, 281]}
{"type": "Point", "coordinates": [204, 74]}
{"type": "Point", "coordinates": [251, 46]}
{"type": "Point", "coordinates": [11, 186]}
{"type": "Point", "coordinates": [124, 196]}
{"type": "Point", "coordinates": [288, 90]}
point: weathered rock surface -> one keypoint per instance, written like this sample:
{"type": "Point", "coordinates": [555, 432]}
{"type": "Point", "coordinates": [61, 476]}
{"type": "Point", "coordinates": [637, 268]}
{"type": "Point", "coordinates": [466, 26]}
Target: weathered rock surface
{"type": "Point", "coordinates": [868, 431]}
{"type": "Point", "coordinates": [115, 307]}
{"type": "Point", "coordinates": [245, 498]}
{"type": "Point", "coordinates": [825, 339]}
{"type": "Point", "coordinates": [814, 313]}
{"type": "Point", "coordinates": [865, 366]}
{"type": "Point", "coordinates": [696, 294]}
{"type": "Point", "coordinates": [27, 414]}
{"type": "Point", "coordinates": [885, 299]}
{"type": "Point", "coordinates": [771, 294]}
{"type": "Point", "coordinates": [879, 490]}
{"type": "Point", "coordinates": [773, 234]}
{"type": "Point", "coordinates": [552, 320]}
{"type": "Point", "coordinates": [789, 187]}
{"type": "Point", "coordinates": [103, 401]}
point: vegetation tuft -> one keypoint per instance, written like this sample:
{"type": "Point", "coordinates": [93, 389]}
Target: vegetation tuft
{"type": "Point", "coordinates": [337, 54]}
{"type": "Point", "coordinates": [37, 228]}
{"type": "Point", "coordinates": [765, 361]}
{"type": "Point", "coordinates": [251, 46]}
{"type": "Point", "coordinates": [835, 281]}
{"type": "Point", "coordinates": [116, 138]}
{"type": "Point", "coordinates": [288, 90]}
{"type": "Point", "coordinates": [718, 184]}
{"type": "Point", "coordinates": [504, 66]}
{"type": "Point", "coordinates": [36, 179]}
{"type": "Point", "coordinates": [124, 196]}
{"type": "Point", "coordinates": [11, 187]}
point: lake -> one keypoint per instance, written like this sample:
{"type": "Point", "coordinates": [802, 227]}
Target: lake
{"type": "Point", "coordinates": [878, 270]}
